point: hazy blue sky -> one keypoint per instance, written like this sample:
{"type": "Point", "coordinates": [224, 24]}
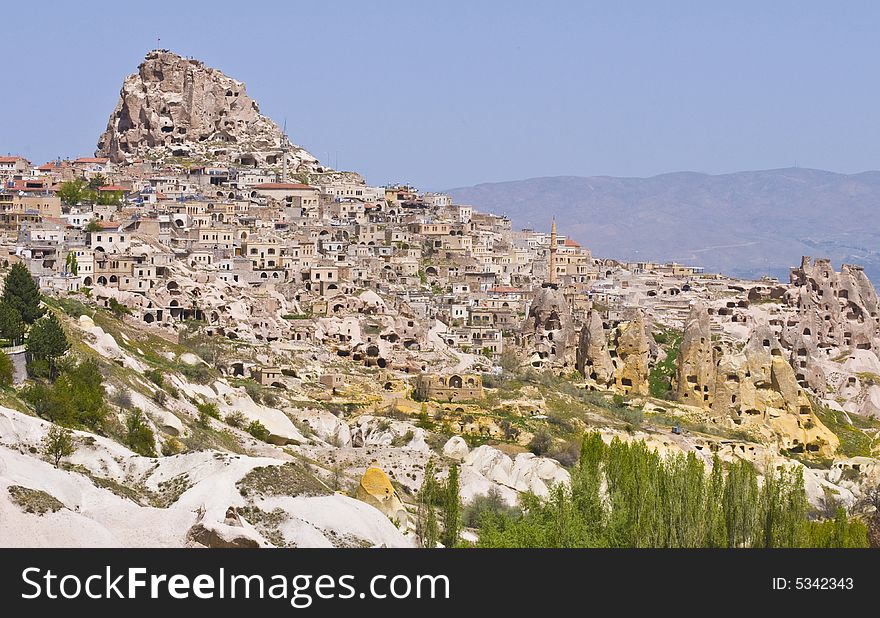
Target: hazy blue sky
{"type": "Point", "coordinates": [451, 93]}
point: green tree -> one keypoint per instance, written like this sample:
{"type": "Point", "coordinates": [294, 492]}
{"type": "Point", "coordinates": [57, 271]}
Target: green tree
{"type": "Point", "coordinates": [83, 386]}
{"type": "Point", "coordinates": [97, 181]}
{"type": "Point", "coordinates": [139, 436]}
{"type": "Point", "coordinates": [76, 398]}
{"type": "Point", "coordinates": [716, 524]}
{"type": "Point", "coordinates": [20, 292]}
{"type": "Point", "coordinates": [741, 508]}
{"type": "Point", "coordinates": [48, 403]}
{"type": "Point", "coordinates": [427, 529]}
{"type": "Point", "coordinates": [626, 495]}
{"type": "Point", "coordinates": [92, 226]}
{"type": "Point", "coordinates": [71, 264]}
{"type": "Point", "coordinates": [7, 371]}
{"type": "Point", "coordinates": [108, 198]}
{"type": "Point", "coordinates": [74, 191]}
{"type": "Point", "coordinates": [11, 324]}
{"type": "Point", "coordinates": [47, 342]}
{"type": "Point", "coordinates": [451, 508]}
{"type": "Point", "coordinates": [58, 444]}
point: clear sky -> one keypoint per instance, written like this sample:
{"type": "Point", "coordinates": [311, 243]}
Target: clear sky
{"type": "Point", "coordinates": [444, 94]}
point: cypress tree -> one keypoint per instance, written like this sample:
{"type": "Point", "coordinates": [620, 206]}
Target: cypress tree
{"type": "Point", "coordinates": [22, 293]}
{"type": "Point", "coordinates": [451, 508]}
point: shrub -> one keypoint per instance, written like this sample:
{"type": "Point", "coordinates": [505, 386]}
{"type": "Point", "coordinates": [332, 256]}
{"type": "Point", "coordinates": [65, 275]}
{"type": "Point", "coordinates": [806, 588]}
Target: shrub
{"type": "Point", "coordinates": [172, 446]}
{"type": "Point", "coordinates": [541, 443]}
{"type": "Point", "coordinates": [253, 392]}
{"type": "Point", "coordinates": [199, 374]}
{"type": "Point", "coordinates": [75, 398]}
{"type": "Point", "coordinates": [118, 309]}
{"type": "Point", "coordinates": [156, 377]}
{"type": "Point", "coordinates": [58, 443]}
{"type": "Point", "coordinates": [258, 430]}
{"type": "Point", "coordinates": [139, 435]}
{"type": "Point", "coordinates": [491, 502]}
{"type": "Point", "coordinates": [235, 419]}
{"type": "Point", "coordinates": [208, 409]}
{"type": "Point", "coordinates": [122, 399]}
{"type": "Point", "coordinates": [568, 454]}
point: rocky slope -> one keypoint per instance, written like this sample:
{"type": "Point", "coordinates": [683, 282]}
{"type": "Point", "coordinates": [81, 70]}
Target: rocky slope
{"type": "Point", "coordinates": [174, 106]}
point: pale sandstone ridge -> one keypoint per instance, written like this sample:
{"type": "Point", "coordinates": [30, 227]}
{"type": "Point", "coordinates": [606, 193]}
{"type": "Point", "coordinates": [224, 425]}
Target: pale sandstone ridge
{"type": "Point", "coordinates": [174, 106]}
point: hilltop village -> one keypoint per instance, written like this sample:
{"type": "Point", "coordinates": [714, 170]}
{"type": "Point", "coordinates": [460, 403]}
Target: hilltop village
{"type": "Point", "coordinates": [368, 329]}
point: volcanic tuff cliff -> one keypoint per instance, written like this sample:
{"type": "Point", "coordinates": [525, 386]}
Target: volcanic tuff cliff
{"type": "Point", "coordinates": [178, 107]}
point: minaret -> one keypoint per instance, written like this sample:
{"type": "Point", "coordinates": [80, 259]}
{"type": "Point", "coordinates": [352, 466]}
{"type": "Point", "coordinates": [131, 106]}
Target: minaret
{"type": "Point", "coordinates": [552, 264]}
{"type": "Point", "coordinates": [285, 147]}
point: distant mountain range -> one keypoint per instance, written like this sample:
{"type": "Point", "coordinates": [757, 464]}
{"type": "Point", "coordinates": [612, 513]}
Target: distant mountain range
{"type": "Point", "coordinates": [746, 224]}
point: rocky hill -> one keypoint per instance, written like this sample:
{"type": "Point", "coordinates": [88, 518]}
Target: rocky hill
{"type": "Point", "coordinates": [746, 224]}
{"type": "Point", "coordinates": [178, 107]}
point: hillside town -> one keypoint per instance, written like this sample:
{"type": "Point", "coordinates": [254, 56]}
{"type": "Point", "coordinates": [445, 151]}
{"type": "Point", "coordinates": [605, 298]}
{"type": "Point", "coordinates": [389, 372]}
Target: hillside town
{"type": "Point", "coordinates": [197, 219]}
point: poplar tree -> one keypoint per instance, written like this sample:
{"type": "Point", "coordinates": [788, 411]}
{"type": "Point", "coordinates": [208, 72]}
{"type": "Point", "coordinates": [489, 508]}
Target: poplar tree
{"type": "Point", "coordinates": [451, 508]}
{"type": "Point", "coordinates": [716, 525]}
{"type": "Point", "coordinates": [427, 529]}
{"type": "Point", "coordinates": [741, 504]}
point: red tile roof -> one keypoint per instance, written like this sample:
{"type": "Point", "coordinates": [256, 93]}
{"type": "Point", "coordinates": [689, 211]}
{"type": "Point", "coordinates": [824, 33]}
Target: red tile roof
{"type": "Point", "coordinates": [112, 188]}
{"type": "Point", "coordinates": [22, 185]}
{"type": "Point", "coordinates": [11, 159]}
{"type": "Point", "coordinates": [52, 165]}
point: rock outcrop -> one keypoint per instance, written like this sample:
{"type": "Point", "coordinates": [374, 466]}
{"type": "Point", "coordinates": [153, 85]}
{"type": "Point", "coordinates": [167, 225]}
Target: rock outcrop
{"type": "Point", "coordinates": [695, 372]}
{"type": "Point", "coordinates": [376, 490]}
{"type": "Point", "coordinates": [456, 448]}
{"type": "Point", "coordinates": [593, 359]}
{"type": "Point", "coordinates": [632, 350]}
{"type": "Point", "coordinates": [548, 333]}
{"type": "Point", "coordinates": [525, 472]}
{"type": "Point", "coordinates": [834, 309]}
{"type": "Point", "coordinates": [178, 107]}
{"type": "Point", "coordinates": [758, 390]}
